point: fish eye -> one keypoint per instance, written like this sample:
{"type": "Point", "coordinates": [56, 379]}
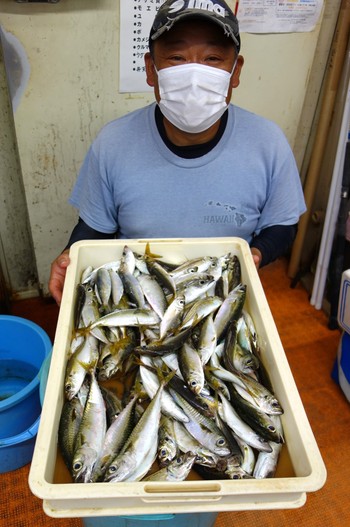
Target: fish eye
{"type": "Point", "coordinates": [163, 452]}
{"type": "Point", "coordinates": [68, 387]}
{"type": "Point", "coordinates": [193, 383]}
{"type": "Point", "coordinates": [77, 465]}
{"type": "Point", "coordinates": [178, 460]}
{"type": "Point", "coordinates": [271, 428]}
{"type": "Point", "coordinates": [221, 442]}
{"type": "Point", "coordinates": [112, 468]}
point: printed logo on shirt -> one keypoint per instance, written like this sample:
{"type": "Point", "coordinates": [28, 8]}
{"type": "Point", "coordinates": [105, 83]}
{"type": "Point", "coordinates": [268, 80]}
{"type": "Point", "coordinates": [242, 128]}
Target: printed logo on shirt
{"type": "Point", "coordinates": [226, 213]}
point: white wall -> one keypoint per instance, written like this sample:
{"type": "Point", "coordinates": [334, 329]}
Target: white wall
{"type": "Point", "coordinates": [70, 89]}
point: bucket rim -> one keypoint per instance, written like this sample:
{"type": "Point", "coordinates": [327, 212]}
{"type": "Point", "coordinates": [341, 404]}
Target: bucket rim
{"type": "Point", "coordinates": [30, 433]}
{"type": "Point", "coordinates": [34, 383]}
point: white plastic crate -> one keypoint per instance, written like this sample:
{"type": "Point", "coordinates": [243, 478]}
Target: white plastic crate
{"type": "Point", "coordinates": [301, 468]}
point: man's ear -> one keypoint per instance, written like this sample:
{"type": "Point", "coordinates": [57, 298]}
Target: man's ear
{"type": "Point", "coordinates": [150, 73]}
{"type": "Point", "coordinates": [236, 74]}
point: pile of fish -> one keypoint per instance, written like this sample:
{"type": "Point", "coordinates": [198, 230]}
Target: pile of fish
{"type": "Point", "coordinates": [196, 396]}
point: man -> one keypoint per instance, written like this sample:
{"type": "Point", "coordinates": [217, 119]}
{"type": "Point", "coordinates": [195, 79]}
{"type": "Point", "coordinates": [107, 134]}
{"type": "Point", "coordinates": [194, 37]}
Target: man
{"type": "Point", "coordinates": [191, 164]}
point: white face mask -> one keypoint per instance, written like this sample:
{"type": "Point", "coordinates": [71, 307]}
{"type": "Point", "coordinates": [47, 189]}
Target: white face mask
{"type": "Point", "coordinates": [193, 96]}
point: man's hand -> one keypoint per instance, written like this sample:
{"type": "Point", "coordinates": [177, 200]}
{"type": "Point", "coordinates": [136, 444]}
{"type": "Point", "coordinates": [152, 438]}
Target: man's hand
{"type": "Point", "coordinates": [58, 275]}
{"type": "Point", "coordinates": [257, 256]}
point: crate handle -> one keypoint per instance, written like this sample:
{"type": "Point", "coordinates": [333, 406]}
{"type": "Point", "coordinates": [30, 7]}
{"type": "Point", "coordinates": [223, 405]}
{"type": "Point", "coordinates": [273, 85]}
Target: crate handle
{"type": "Point", "coordinates": [182, 499]}
{"type": "Point", "coordinates": [193, 492]}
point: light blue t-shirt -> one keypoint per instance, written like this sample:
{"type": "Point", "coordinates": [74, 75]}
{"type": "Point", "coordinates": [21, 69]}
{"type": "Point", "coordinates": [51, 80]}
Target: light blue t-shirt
{"type": "Point", "coordinates": [132, 184]}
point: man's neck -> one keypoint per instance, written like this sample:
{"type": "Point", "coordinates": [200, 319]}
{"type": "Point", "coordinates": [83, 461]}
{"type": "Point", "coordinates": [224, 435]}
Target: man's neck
{"type": "Point", "coordinates": [180, 138]}
{"type": "Point", "coordinates": [192, 149]}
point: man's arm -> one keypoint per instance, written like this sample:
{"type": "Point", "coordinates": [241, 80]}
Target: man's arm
{"type": "Point", "coordinates": [81, 231]}
{"type": "Point", "coordinates": [273, 242]}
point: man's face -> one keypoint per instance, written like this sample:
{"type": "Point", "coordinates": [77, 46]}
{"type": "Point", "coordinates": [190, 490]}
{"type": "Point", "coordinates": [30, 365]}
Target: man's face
{"type": "Point", "coordinates": [193, 41]}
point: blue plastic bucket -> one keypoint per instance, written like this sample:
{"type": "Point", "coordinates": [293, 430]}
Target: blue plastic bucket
{"type": "Point", "coordinates": [201, 519]}
{"type": "Point", "coordinates": [17, 451]}
{"type": "Point", "coordinates": [23, 348]}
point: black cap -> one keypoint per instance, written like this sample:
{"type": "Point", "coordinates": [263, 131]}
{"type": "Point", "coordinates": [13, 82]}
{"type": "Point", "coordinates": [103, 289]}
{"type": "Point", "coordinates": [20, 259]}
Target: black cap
{"type": "Point", "coordinates": [214, 10]}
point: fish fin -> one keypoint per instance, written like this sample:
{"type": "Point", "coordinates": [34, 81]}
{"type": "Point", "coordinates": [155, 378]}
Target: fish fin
{"type": "Point", "coordinates": [149, 254]}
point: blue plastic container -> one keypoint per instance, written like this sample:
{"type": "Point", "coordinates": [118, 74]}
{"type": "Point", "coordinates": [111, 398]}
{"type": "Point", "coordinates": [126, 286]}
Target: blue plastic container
{"type": "Point", "coordinates": [23, 348]}
{"type": "Point", "coordinates": [17, 451]}
{"type": "Point", "coordinates": [199, 519]}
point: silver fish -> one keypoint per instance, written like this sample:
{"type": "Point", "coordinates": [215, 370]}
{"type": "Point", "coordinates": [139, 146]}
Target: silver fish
{"type": "Point", "coordinates": [167, 448]}
{"type": "Point", "coordinates": [199, 311]}
{"type": "Point", "coordinates": [177, 470]}
{"type": "Point", "coordinates": [258, 395]}
{"type": "Point", "coordinates": [201, 264]}
{"type": "Point", "coordinates": [195, 288]}
{"type": "Point", "coordinates": [154, 294]}
{"type": "Point", "coordinates": [248, 456]}
{"type": "Point", "coordinates": [127, 261]}
{"type": "Point", "coordinates": [203, 428]}
{"type": "Point", "coordinates": [191, 367]}
{"type": "Point", "coordinates": [243, 360]}
{"type": "Point", "coordinates": [143, 438]}
{"type": "Point", "coordinates": [230, 310]}
{"type": "Point", "coordinates": [172, 316]}
{"type": "Point", "coordinates": [207, 341]}
{"type": "Point", "coordinates": [117, 287]}
{"type": "Point", "coordinates": [151, 384]}
{"type": "Point", "coordinates": [115, 438]}
{"type": "Point", "coordinates": [164, 278]}
{"type": "Point", "coordinates": [128, 317]}
{"type": "Point", "coordinates": [240, 428]}
{"type": "Point", "coordinates": [103, 286]}
{"type": "Point", "coordinates": [90, 314]}
{"type": "Point", "coordinates": [257, 419]}
{"type": "Point", "coordinates": [113, 404]}
{"type": "Point", "coordinates": [91, 434]}
{"type": "Point", "coordinates": [187, 443]}
{"type": "Point", "coordinates": [89, 279]}
{"type": "Point", "coordinates": [114, 355]}
{"type": "Point", "coordinates": [133, 289]}
{"type": "Point", "coordinates": [266, 463]}
{"type": "Point", "coordinates": [79, 364]}
{"type": "Point", "coordinates": [71, 416]}
{"type": "Point", "coordinates": [236, 471]}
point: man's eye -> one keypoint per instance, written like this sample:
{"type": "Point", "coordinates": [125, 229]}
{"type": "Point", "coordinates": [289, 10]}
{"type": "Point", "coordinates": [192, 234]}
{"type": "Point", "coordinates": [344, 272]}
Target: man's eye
{"type": "Point", "coordinates": [176, 58]}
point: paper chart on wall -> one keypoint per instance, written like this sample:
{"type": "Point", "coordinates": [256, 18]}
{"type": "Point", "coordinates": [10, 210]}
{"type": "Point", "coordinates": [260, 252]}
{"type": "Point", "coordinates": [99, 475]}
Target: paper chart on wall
{"type": "Point", "coordinates": [278, 16]}
{"type": "Point", "coordinates": [138, 15]}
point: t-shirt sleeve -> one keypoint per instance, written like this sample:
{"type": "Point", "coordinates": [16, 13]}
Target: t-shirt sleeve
{"type": "Point", "coordinates": [285, 199]}
{"type": "Point", "coordinates": [92, 194]}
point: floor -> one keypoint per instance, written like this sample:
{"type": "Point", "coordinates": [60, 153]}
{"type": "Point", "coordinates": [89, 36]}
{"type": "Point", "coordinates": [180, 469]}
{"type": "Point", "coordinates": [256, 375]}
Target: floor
{"type": "Point", "coordinates": [311, 349]}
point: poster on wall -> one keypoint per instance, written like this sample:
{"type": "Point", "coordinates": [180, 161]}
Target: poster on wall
{"type": "Point", "coordinates": [278, 16]}
{"type": "Point", "coordinates": [255, 16]}
{"type": "Point", "coordinates": [138, 15]}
